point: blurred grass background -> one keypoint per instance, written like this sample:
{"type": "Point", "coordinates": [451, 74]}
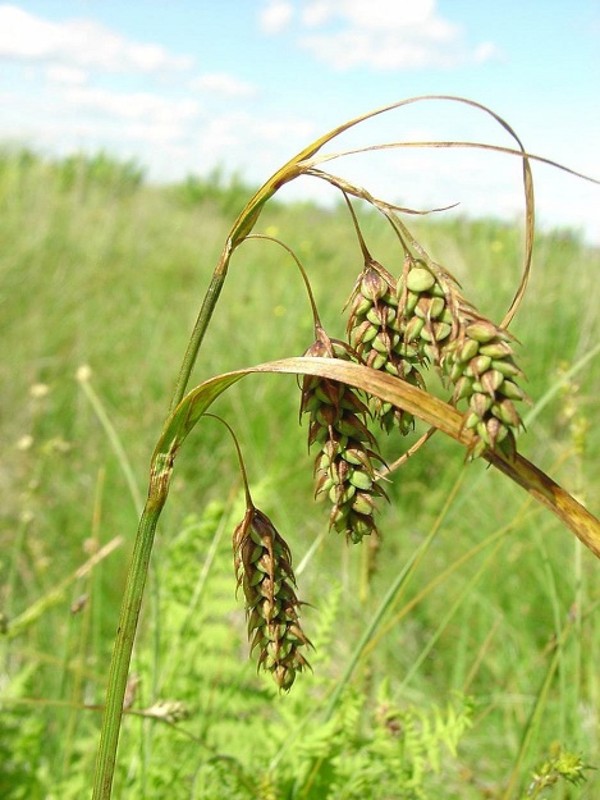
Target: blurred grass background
{"type": "Point", "coordinates": [97, 268]}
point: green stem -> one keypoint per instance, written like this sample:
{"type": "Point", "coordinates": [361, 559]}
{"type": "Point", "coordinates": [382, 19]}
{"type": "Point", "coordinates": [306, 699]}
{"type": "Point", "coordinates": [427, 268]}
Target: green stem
{"type": "Point", "coordinates": [159, 482]}
{"type": "Point", "coordinates": [242, 227]}
{"type": "Point", "coordinates": [206, 311]}
{"type": "Point", "coordinates": [119, 665]}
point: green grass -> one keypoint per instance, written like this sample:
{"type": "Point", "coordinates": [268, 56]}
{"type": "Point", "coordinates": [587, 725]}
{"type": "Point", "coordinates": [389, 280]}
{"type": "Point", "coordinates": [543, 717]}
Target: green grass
{"type": "Point", "coordinates": [98, 268]}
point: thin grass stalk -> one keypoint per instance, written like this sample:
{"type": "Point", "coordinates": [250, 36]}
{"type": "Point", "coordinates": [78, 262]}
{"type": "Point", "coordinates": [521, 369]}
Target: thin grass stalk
{"type": "Point", "coordinates": [112, 436]}
{"type": "Point", "coordinates": [466, 589]}
{"type": "Point", "coordinates": [535, 714]}
{"type": "Point", "coordinates": [578, 601]}
{"type": "Point", "coordinates": [209, 560]}
{"type": "Point", "coordinates": [96, 593]}
{"type": "Point", "coordinates": [555, 605]}
{"type": "Point", "coordinates": [374, 624]}
{"type": "Point", "coordinates": [77, 689]}
{"type": "Point", "coordinates": [445, 574]}
{"type": "Point", "coordinates": [480, 656]}
{"type": "Point", "coordinates": [136, 496]}
{"type": "Point", "coordinates": [16, 551]}
{"type": "Point", "coordinates": [37, 609]}
{"type": "Point", "coordinates": [388, 599]}
{"type": "Point", "coordinates": [553, 390]}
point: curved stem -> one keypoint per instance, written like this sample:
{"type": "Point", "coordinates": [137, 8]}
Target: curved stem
{"type": "Point", "coordinates": [303, 273]}
{"type": "Point", "coordinates": [240, 457]}
{"type": "Point", "coordinates": [361, 239]}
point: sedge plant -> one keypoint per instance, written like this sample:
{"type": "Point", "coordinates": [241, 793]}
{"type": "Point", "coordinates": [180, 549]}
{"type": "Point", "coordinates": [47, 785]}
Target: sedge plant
{"type": "Point", "coordinates": [404, 320]}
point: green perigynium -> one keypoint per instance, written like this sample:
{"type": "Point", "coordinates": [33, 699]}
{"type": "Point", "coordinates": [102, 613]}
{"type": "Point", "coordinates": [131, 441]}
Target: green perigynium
{"type": "Point", "coordinates": [263, 567]}
{"type": "Point", "coordinates": [345, 463]}
{"type": "Point", "coordinates": [481, 367]}
{"type": "Point", "coordinates": [377, 332]}
{"type": "Point", "coordinates": [474, 355]}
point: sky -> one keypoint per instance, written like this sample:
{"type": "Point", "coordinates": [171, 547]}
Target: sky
{"type": "Point", "coordinates": [182, 87]}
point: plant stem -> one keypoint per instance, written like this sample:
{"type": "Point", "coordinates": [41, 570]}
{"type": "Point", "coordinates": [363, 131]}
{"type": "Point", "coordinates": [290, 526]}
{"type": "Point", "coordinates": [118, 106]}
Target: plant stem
{"type": "Point", "coordinates": [208, 306]}
{"type": "Point", "coordinates": [119, 666]}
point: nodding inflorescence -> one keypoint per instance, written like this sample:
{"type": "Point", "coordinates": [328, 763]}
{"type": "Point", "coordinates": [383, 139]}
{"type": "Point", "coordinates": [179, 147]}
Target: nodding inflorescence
{"type": "Point", "coordinates": [474, 355]}
{"type": "Point", "coordinates": [376, 329]}
{"type": "Point", "coordinates": [263, 567]}
{"type": "Point", "coordinates": [347, 451]}
{"type": "Point", "coordinates": [402, 326]}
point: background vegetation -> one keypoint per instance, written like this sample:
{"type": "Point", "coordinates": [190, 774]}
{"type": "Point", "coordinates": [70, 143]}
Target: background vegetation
{"type": "Point", "coordinates": [484, 665]}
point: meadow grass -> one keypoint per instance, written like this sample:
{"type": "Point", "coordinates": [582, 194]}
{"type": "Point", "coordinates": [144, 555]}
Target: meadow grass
{"type": "Point", "coordinates": [499, 604]}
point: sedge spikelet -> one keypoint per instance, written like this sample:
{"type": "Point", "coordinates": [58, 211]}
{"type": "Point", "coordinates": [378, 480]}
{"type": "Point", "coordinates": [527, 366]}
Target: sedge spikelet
{"type": "Point", "coordinates": [426, 301]}
{"type": "Point", "coordinates": [263, 567]}
{"type": "Point", "coordinates": [480, 364]}
{"type": "Point", "coordinates": [344, 465]}
{"type": "Point", "coordinates": [473, 354]}
{"type": "Point", "coordinates": [375, 330]}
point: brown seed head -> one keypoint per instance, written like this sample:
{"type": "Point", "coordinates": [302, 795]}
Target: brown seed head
{"type": "Point", "coordinates": [344, 465]}
{"type": "Point", "coordinates": [263, 568]}
{"type": "Point", "coordinates": [377, 333]}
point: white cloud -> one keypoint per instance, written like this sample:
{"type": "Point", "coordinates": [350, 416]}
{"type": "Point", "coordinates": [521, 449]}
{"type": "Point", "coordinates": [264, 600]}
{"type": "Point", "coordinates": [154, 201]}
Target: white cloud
{"type": "Point", "coordinates": [382, 34]}
{"type": "Point", "coordinates": [146, 107]}
{"type": "Point", "coordinates": [378, 14]}
{"type": "Point", "coordinates": [222, 84]}
{"type": "Point", "coordinates": [243, 133]}
{"type": "Point", "coordinates": [79, 43]}
{"type": "Point", "coordinates": [70, 76]}
{"type": "Point", "coordinates": [487, 51]}
{"type": "Point", "coordinates": [275, 16]}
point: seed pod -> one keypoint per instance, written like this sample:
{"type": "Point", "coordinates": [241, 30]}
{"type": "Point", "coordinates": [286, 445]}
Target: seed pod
{"type": "Point", "coordinates": [441, 330]}
{"type": "Point", "coordinates": [345, 461]}
{"type": "Point", "coordinates": [480, 404]}
{"type": "Point", "coordinates": [463, 388]}
{"type": "Point", "coordinates": [478, 365]}
{"type": "Point", "coordinates": [429, 307]}
{"type": "Point", "coordinates": [498, 349]}
{"type": "Point", "coordinates": [263, 568]}
{"type": "Point", "coordinates": [481, 331]}
{"type": "Point", "coordinates": [511, 390]}
{"type": "Point", "coordinates": [377, 333]}
{"type": "Point", "coordinates": [361, 480]}
{"type": "Point", "coordinates": [419, 280]}
{"type": "Point", "coordinates": [468, 350]}
{"type": "Point", "coordinates": [505, 410]}
{"type": "Point", "coordinates": [491, 381]}
{"type": "Point", "coordinates": [508, 368]}
{"type": "Point", "coordinates": [413, 328]}
{"type": "Point", "coordinates": [373, 284]}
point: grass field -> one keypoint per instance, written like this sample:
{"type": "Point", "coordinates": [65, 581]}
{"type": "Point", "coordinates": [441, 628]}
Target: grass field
{"type": "Point", "coordinates": [483, 664]}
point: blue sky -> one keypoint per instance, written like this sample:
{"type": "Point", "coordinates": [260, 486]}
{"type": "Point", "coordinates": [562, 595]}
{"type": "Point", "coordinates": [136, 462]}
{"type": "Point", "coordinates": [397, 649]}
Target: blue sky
{"type": "Point", "coordinates": [184, 86]}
